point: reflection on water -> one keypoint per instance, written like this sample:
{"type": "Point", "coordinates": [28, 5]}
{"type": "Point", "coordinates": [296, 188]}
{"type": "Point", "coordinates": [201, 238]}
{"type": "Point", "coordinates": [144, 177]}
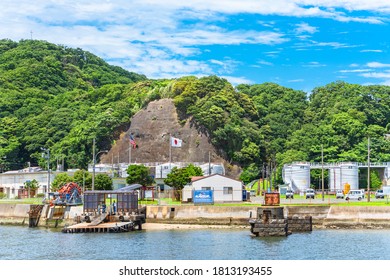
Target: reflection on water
{"type": "Point", "coordinates": [23, 243]}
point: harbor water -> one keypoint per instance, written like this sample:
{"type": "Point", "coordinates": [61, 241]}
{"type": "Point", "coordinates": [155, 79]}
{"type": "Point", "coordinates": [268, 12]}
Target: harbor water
{"type": "Point", "coordinates": [23, 243]}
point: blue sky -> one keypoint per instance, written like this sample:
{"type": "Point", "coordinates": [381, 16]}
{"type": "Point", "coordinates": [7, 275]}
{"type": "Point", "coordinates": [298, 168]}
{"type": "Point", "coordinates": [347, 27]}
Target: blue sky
{"type": "Point", "coordinates": [299, 44]}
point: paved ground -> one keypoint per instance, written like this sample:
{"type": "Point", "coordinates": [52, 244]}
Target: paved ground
{"type": "Point", "coordinates": [318, 200]}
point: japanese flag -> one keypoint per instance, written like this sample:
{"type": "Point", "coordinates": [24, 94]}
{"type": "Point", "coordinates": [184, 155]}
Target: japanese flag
{"type": "Point", "coordinates": [176, 142]}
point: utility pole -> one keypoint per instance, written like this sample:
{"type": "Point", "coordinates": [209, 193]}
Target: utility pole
{"type": "Point", "coordinates": [263, 171]}
{"type": "Point", "coordinates": [209, 163]}
{"type": "Point", "coordinates": [48, 172]}
{"type": "Point", "coordinates": [368, 169]}
{"type": "Point", "coordinates": [47, 156]}
{"type": "Point", "coordinates": [322, 171]}
{"type": "Point", "coordinates": [93, 164]}
{"type": "Point", "coordinates": [130, 147]}
{"type": "Point", "coordinates": [270, 175]}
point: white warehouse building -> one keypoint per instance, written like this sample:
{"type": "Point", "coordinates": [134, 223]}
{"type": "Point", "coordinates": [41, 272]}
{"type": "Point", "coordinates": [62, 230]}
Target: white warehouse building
{"type": "Point", "coordinates": [225, 189]}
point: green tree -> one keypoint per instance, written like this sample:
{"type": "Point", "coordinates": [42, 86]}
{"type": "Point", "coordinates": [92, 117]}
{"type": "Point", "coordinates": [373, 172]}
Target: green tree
{"type": "Point", "coordinates": [375, 181]}
{"type": "Point", "coordinates": [60, 180]}
{"type": "Point", "coordinates": [83, 177]}
{"type": "Point", "coordinates": [139, 174]}
{"type": "Point", "coordinates": [103, 182]}
{"type": "Point", "coordinates": [179, 177]}
{"type": "Point", "coordinates": [250, 173]}
{"type": "Point", "coordinates": [31, 185]}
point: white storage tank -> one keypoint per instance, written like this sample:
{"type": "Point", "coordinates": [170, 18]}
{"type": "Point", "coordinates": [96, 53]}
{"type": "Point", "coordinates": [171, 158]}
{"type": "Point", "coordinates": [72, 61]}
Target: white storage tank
{"type": "Point", "coordinates": [349, 173]}
{"type": "Point", "coordinates": [209, 169]}
{"type": "Point", "coordinates": [297, 175]}
{"type": "Point", "coordinates": [286, 174]}
{"type": "Point", "coordinates": [344, 173]}
{"type": "Point", "coordinates": [335, 179]}
{"type": "Point", "coordinates": [387, 175]}
{"type": "Point", "coordinates": [164, 169]}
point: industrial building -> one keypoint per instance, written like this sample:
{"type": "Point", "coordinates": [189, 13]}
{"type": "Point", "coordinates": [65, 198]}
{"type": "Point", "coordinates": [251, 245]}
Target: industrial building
{"type": "Point", "coordinates": [297, 174]}
{"type": "Point", "coordinates": [224, 189]}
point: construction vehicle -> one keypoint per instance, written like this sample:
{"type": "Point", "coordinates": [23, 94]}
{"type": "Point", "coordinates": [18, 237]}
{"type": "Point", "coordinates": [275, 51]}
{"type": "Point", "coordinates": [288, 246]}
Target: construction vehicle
{"type": "Point", "coordinates": [68, 194]}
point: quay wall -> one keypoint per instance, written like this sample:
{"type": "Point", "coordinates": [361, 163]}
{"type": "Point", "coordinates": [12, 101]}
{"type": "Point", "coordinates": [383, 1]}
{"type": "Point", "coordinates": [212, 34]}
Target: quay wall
{"type": "Point", "coordinates": [326, 216]}
{"type": "Point", "coordinates": [14, 213]}
{"type": "Point", "coordinates": [322, 216]}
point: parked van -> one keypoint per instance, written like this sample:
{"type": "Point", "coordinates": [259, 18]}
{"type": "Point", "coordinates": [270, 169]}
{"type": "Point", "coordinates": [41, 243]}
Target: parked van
{"type": "Point", "coordinates": [355, 194]}
{"type": "Point", "coordinates": [289, 194]}
{"type": "Point", "coordinates": [340, 194]}
{"type": "Point", "coordinates": [310, 193]}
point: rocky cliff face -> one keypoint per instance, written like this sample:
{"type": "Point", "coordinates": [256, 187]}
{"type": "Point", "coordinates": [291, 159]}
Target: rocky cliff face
{"type": "Point", "coordinates": [152, 128]}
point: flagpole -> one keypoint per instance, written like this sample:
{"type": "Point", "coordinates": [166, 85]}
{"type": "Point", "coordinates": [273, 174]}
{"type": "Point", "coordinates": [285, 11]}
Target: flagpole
{"type": "Point", "coordinates": [130, 146]}
{"type": "Point", "coordinates": [170, 150]}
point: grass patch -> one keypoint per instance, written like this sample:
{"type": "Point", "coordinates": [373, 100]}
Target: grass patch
{"type": "Point", "coordinates": [237, 204]}
{"type": "Point", "coordinates": [37, 200]}
{"type": "Point", "coordinates": [364, 203]}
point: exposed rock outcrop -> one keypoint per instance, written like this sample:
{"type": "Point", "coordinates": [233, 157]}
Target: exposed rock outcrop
{"type": "Point", "coordinates": [152, 128]}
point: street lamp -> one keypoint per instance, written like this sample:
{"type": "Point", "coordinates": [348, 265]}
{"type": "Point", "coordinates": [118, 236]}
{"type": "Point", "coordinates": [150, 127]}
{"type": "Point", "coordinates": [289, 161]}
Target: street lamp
{"type": "Point", "coordinates": [2, 163]}
{"type": "Point", "coordinates": [322, 172]}
{"type": "Point", "coordinates": [94, 163]}
{"type": "Point", "coordinates": [368, 169]}
{"type": "Point", "coordinates": [46, 154]}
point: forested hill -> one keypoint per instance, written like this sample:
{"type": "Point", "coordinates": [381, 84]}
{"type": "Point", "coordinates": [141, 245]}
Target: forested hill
{"type": "Point", "coordinates": [61, 98]}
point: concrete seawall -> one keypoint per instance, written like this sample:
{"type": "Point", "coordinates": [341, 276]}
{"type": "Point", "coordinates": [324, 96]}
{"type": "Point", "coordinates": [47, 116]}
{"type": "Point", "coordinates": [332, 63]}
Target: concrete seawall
{"type": "Point", "coordinates": [224, 215]}
{"type": "Point", "coordinates": [322, 216]}
{"type": "Point", "coordinates": [18, 214]}
{"type": "Point", "coordinates": [14, 213]}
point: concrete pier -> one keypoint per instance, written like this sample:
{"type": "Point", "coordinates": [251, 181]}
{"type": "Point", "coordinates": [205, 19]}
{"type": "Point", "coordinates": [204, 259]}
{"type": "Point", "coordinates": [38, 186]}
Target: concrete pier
{"type": "Point", "coordinates": [322, 216]}
{"type": "Point", "coordinates": [101, 228]}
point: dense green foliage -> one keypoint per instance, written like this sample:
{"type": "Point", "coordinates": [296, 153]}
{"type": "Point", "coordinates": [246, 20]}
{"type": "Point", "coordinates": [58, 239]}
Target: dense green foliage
{"type": "Point", "coordinates": [31, 185]}
{"type": "Point", "coordinates": [103, 182]}
{"type": "Point", "coordinates": [179, 177]}
{"type": "Point", "coordinates": [139, 174]}
{"type": "Point", "coordinates": [265, 125]}
{"type": "Point", "coordinates": [60, 180]}
{"type": "Point", "coordinates": [61, 98]}
{"type": "Point", "coordinates": [83, 179]}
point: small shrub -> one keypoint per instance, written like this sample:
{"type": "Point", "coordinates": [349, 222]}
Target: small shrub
{"type": "Point", "coordinates": [182, 122]}
{"type": "Point", "coordinates": [2, 195]}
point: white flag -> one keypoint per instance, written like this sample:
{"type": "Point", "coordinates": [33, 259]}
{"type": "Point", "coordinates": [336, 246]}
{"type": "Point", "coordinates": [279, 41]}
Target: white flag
{"type": "Point", "coordinates": [176, 142]}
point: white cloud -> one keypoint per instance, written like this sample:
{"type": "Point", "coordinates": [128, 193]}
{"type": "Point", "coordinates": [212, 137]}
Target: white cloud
{"type": "Point", "coordinates": [237, 80]}
{"type": "Point", "coordinates": [162, 38]}
{"type": "Point", "coordinates": [272, 54]}
{"type": "Point", "coordinates": [355, 71]}
{"type": "Point", "coordinates": [313, 64]}
{"type": "Point", "coordinates": [266, 23]}
{"type": "Point", "coordinates": [335, 45]}
{"type": "Point", "coordinates": [374, 51]}
{"type": "Point", "coordinates": [305, 28]}
{"type": "Point", "coordinates": [264, 62]}
{"type": "Point", "coordinates": [333, 9]}
{"type": "Point", "coordinates": [307, 45]}
{"type": "Point", "coordinates": [296, 81]}
{"type": "Point", "coordinates": [226, 66]}
{"type": "Point", "coordinates": [378, 65]}
{"type": "Point", "coordinates": [377, 75]}
{"type": "Point", "coordinates": [166, 68]}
